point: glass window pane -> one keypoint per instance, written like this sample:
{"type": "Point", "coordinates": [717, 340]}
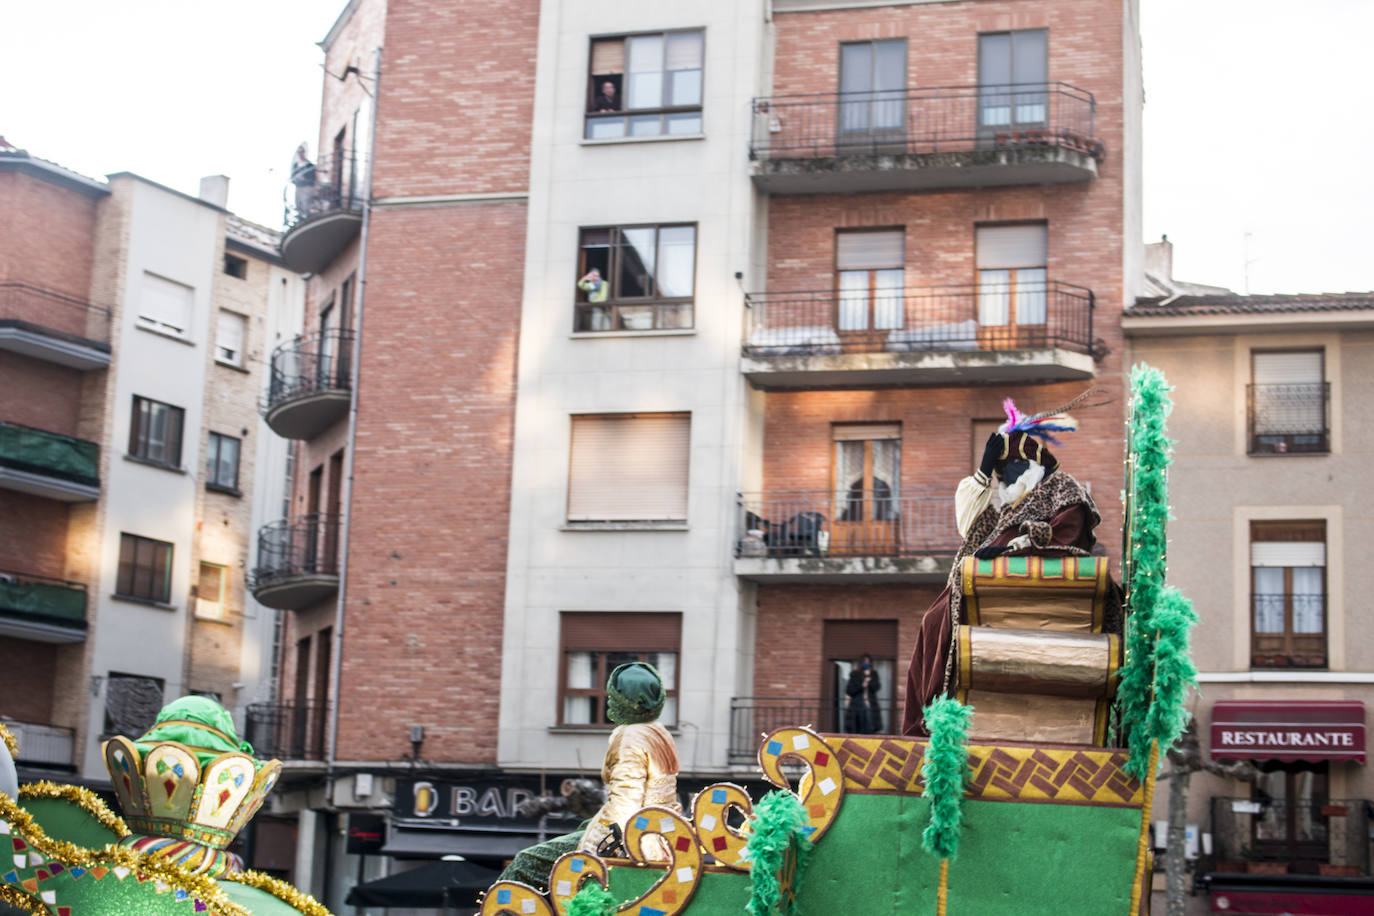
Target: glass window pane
{"type": "Point", "coordinates": [636, 273]}
{"type": "Point", "coordinates": [579, 710]}
{"type": "Point", "coordinates": [677, 260]}
{"type": "Point", "coordinates": [1028, 57]}
{"type": "Point", "coordinates": [636, 317]}
{"type": "Point", "coordinates": [686, 123]}
{"type": "Point", "coordinates": [646, 126]}
{"type": "Point", "coordinates": [646, 72]}
{"type": "Point", "coordinates": [1030, 296]}
{"type": "Point", "coordinates": [675, 316]}
{"type": "Point", "coordinates": [669, 715]}
{"type": "Point", "coordinates": [993, 297]}
{"type": "Point", "coordinates": [124, 583]}
{"type": "Point", "coordinates": [605, 128]}
{"type": "Point", "coordinates": [853, 304]}
{"type": "Point", "coordinates": [580, 668]}
{"type": "Point", "coordinates": [666, 663]}
{"type": "Point", "coordinates": [994, 59]}
{"type": "Point", "coordinates": [684, 87]}
{"type": "Point", "coordinates": [228, 462]}
{"type": "Point", "coordinates": [856, 67]}
{"type": "Point", "coordinates": [1269, 599]}
{"type": "Point", "coordinates": [887, 298]}
{"type": "Point", "coordinates": [683, 51]}
{"type": "Point", "coordinates": [212, 459]}
{"type": "Point", "coordinates": [1308, 602]}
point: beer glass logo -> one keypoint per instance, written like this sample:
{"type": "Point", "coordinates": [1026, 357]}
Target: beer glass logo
{"type": "Point", "coordinates": [426, 799]}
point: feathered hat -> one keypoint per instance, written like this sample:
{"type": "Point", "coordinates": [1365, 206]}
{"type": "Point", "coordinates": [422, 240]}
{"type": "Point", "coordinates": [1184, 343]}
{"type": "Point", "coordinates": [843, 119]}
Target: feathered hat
{"type": "Point", "coordinates": [1026, 435]}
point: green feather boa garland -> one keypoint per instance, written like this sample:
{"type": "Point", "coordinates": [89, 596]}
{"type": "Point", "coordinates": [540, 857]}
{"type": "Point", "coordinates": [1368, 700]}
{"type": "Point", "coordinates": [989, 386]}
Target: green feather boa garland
{"type": "Point", "coordinates": [592, 900]}
{"type": "Point", "coordinates": [1158, 671]}
{"type": "Point", "coordinates": [777, 826]}
{"type": "Point", "coordinates": [944, 771]}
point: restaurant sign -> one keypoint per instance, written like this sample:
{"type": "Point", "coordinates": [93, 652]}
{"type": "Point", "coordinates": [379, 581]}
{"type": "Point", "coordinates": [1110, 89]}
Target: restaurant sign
{"type": "Point", "coordinates": [1288, 730]}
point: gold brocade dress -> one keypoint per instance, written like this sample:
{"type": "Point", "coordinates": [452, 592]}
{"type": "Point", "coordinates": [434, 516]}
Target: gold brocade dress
{"type": "Point", "coordinates": [640, 769]}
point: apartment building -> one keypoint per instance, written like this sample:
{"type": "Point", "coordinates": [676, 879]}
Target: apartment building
{"type": "Point", "coordinates": [1267, 489]}
{"type": "Point", "coordinates": [133, 319]}
{"type": "Point", "coordinates": [661, 332]}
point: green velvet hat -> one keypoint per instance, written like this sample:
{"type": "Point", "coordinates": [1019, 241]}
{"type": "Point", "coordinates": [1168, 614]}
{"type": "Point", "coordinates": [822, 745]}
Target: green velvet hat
{"type": "Point", "coordinates": [634, 693]}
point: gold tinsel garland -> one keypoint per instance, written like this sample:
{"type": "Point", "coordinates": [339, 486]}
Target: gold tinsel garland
{"type": "Point", "coordinates": [10, 741]}
{"type": "Point", "coordinates": [284, 892]}
{"type": "Point", "coordinates": [83, 798]}
{"type": "Point", "coordinates": [21, 901]}
{"type": "Point", "coordinates": [112, 856]}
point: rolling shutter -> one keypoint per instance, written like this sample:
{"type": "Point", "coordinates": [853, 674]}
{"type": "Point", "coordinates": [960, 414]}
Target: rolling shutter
{"type": "Point", "coordinates": [629, 468]}
{"type": "Point", "coordinates": [1297, 367]}
{"type": "Point", "coordinates": [870, 250]}
{"type": "Point", "coordinates": [1003, 247]}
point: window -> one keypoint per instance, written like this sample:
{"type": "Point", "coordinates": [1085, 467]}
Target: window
{"type": "Point", "coordinates": [635, 278]}
{"type": "Point", "coordinates": [229, 336]}
{"type": "Point", "coordinates": [236, 266]}
{"type": "Point", "coordinates": [644, 86]}
{"type": "Point", "coordinates": [1291, 825]}
{"type": "Point", "coordinates": [222, 463]}
{"type": "Point", "coordinates": [145, 569]}
{"type": "Point", "coordinates": [155, 432]}
{"type": "Point", "coordinates": [868, 470]}
{"type": "Point", "coordinates": [1288, 594]}
{"type": "Point", "coordinates": [132, 703]}
{"type": "Point", "coordinates": [1289, 402]}
{"type": "Point", "coordinates": [593, 644]}
{"type": "Point", "coordinates": [165, 305]}
{"type": "Point", "coordinates": [1013, 70]}
{"type": "Point", "coordinates": [210, 591]}
{"type": "Point", "coordinates": [1011, 284]}
{"type": "Point", "coordinates": [872, 90]}
{"type": "Point", "coordinates": [870, 277]}
{"type": "Point", "coordinates": [630, 467]}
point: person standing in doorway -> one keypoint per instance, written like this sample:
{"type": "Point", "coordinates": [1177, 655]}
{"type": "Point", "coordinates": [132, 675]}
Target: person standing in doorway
{"type": "Point", "coordinates": [863, 716]}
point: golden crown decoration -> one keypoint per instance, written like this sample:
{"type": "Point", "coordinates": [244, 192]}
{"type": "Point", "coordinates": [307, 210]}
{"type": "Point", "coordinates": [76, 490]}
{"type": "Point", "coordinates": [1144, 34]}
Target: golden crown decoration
{"type": "Point", "coordinates": [186, 800]}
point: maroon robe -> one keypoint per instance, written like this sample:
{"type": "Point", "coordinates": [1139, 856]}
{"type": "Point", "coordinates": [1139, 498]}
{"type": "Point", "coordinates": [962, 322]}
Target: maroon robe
{"type": "Point", "coordinates": [925, 677]}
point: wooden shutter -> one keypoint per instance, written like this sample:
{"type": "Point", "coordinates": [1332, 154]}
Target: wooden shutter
{"type": "Point", "coordinates": [849, 432]}
{"type": "Point", "coordinates": [885, 249]}
{"type": "Point", "coordinates": [608, 56]}
{"type": "Point", "coordinates": [596, 631]}
{"type": "Point", "coordinates": [1291, 367]}
{"type": "Point", "coordinates": [1003, 247]}
{"type": "Point", "coordinates": [629, 468]}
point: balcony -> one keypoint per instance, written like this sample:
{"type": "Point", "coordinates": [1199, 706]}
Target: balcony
{"type": "Point", "coordinates": [1289, 419]}
{"type": "Point", "coordinates": [53, 327]}
{"type": "Point", "coordinates": [297, 562]}
{"type": "Point", "coordinates": [1285, 837]}
{"type": "Point", "coordinates": [753, 717]}
{"type": "Point", "coordinates": [855, 537]}
{"type": "Point", "coordinates": [41, 609]}
{"type": "Point", "coordinates": [933, 335]}
{"type": "Point", "coordinates": [293, 730]}
{"type": "Point", "coordinates": [311, 384]}
{"type": "Point", "coordinates": [47, 746]}
{"type": "Point", "coordinates": [924, 139]}
{"type": "Point", "coordinates": [323, 215]}
{"type": "Point", "coordinates": [48, 464]}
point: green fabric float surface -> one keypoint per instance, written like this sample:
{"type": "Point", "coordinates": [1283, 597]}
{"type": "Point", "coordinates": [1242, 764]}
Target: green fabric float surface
{"type": "Point", "coordinates": [533, 864]}
{"type": "Point", "coordinates": [717, 892]}
{"type": "Point", "coordinates": [62, 820]}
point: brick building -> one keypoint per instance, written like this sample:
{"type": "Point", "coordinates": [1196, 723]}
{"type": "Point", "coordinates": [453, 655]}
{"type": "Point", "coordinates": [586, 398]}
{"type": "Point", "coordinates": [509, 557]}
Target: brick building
{"type": "Point", "coordinates": [666, 332]}
{"type": "Point", "coordinates": [133, 319]}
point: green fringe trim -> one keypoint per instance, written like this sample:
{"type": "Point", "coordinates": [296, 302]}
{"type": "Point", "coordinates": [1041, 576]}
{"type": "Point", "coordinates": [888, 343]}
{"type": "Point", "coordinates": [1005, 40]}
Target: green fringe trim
{"type": "Point", "coordinates": [592, 900]}
{"type": "Point", "coordinates": [776, 826]}
{"type": "Point", "coordinates": [944, 771]}
{"type": "Point", "coordinates": [1158, 671]}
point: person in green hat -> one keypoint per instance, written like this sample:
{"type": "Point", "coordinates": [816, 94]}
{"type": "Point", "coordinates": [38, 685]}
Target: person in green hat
{"type": "Point", "coordinates": [640, 769]}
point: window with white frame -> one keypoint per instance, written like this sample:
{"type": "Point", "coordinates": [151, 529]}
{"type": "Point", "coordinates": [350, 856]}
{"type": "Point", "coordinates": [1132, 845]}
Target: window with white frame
{"type": "Point", "coordinates": [230, 331]}
{"type": "Point", "coordinates": [629, 468]}
{"type": "Point", "coordinates": [1288, 594]}
{"type": "Point", "coordinates": [165, 305]}
{"type": "Point", "coordinates": [647, 85]}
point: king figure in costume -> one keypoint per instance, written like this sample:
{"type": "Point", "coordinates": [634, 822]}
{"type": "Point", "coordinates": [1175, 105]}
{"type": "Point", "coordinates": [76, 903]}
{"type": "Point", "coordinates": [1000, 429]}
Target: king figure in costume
{"type": "Point", "coordinates": [1043, 510]}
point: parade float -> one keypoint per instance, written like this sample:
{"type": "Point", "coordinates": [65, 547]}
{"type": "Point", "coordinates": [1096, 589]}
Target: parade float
{"type": "Point", "coordinates": [1031, 792]}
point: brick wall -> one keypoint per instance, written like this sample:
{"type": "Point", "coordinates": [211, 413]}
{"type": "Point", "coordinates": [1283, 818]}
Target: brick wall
{"type": "Point", "coordinates": [45, 234]}
{"type": "Point", "coordinates": [33, 534]}
{"type": "Point", "coordinates": [40, 394]}
{"type": "Point", "coordinates": [427, 548]}
{"type": "Point", "coordinates": [27, 672]}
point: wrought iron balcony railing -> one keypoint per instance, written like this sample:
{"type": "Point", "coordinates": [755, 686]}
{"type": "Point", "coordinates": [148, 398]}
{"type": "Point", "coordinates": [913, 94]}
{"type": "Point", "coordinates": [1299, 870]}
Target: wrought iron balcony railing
{"type": "Point", "coordinates": [310, 364]}
{"type": "Point", "coordinates": [42, 599]}
{"type": "Point", "coordinates": [939, 119]}
{"type": "Point", "coordinates": [43, 745]}
{"type": "Point", "coordinates": [753, 717]}
{"type": "Point", "coordinates": [1281, 836]}
{"type": "Point", "coordinates": [293, 730]}
{"type": "Point", "coordinates": [303, 545]}
{"type": "Point", "coordinates": [1042, 315]}
{"type": "Point", "coordinates": [332, 185]}
{"type": "Point", "coordinates": [852, 523]}
{"type": "Point", "coordinates": [1289, 418]}
{"type": "Point", "coordinates": [25, 305]}
{"type": "Point", "coordinates": [37, 451]}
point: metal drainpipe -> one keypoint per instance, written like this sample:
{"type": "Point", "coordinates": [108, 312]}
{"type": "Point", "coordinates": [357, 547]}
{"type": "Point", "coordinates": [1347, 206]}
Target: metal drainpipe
{"type": "Point", "coordinates": [336, 660]}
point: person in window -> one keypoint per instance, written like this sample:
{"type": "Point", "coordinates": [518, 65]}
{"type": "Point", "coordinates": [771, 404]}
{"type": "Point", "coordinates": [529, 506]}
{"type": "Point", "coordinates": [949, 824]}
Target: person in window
{"type": "Point", "coordinates": [597, 289]}
{"type": "Point", "coordinates": [640, 769]}
{"type": "Point", "coordinates": [607, 99]}
{"type": "Point", "coordinates": [862, 716]}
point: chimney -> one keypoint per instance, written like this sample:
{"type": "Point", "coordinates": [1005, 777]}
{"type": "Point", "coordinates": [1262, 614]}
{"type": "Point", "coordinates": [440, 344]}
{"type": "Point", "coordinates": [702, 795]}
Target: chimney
{"type": "Point", "coordinates": [214, 189]}
{"type": "Point", "coordinates": [1159, 258]}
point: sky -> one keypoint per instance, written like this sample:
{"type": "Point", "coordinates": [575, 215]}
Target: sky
{"type": "Point", "coordinates": [1259, 117]}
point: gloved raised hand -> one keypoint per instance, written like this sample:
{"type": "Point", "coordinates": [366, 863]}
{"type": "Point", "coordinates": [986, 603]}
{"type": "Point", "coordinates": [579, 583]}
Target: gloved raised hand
{"type": "Point", "coordinates": [992, 453]}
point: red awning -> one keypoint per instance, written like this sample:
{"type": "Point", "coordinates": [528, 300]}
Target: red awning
{"type": "Point", "coordinates": [1288, 730]}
